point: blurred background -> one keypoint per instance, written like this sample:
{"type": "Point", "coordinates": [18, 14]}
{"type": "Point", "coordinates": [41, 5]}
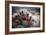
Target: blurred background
{"type": "Point", "coordinates": [2, 18]}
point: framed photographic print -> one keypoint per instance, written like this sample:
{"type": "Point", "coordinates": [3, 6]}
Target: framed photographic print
{"type": "Point", "coordinates": [24, 17]}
